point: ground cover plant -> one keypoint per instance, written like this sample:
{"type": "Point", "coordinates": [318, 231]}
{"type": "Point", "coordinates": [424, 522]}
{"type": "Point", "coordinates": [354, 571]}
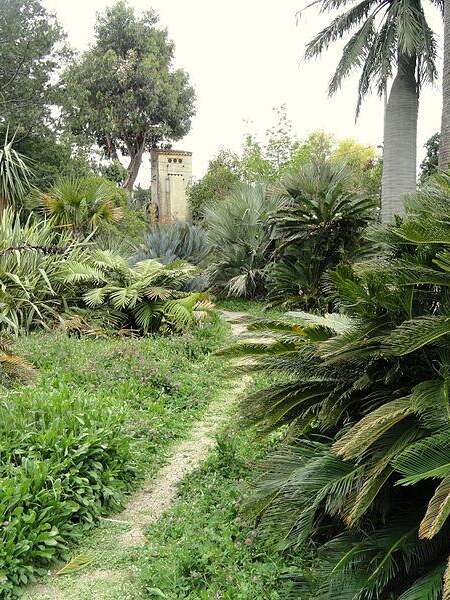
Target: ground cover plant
{"type": "Point", "coordinates": [363, 472]}
{"type": "Point", "coordinates": [100, 414]}
{"type": "Point", "coordinates": [206, 547]}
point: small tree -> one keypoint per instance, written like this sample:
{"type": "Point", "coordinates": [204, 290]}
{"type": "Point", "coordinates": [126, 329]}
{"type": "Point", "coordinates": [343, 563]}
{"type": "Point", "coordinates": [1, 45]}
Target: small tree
{"type": "Point", "coordinates": [124, 92]}
{"type": "Point", "coordinates": [429, 165]}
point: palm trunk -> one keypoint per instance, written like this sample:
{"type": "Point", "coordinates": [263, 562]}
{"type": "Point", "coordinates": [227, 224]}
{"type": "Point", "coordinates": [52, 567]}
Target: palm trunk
{"type": "Point", "coordinates": [444, 144]}
{"type": "Point", "coordinates": [400, 139]}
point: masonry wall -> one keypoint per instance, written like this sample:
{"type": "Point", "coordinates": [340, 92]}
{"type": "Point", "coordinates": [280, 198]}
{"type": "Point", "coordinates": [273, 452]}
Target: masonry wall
{"type": "Point", "coordinates": [171, 175]}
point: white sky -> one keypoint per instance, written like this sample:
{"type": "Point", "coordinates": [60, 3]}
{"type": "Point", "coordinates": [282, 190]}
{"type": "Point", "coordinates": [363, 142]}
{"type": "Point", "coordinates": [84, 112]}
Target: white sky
{"type": "Point", "coordinates": [244, 58]}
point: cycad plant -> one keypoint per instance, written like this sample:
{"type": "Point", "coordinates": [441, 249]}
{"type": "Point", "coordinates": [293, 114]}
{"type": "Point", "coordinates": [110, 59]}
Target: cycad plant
{"type": "Point", "coordinates": [145, 298]}
{"type": "Point", "coordinates": [240, 241]}
{"type": "Point", "coordinates": [364, 471]}
{"type": "Point", "coordinates": [81, 205]}
{"type": "Point", "coordinates": [317, 226]}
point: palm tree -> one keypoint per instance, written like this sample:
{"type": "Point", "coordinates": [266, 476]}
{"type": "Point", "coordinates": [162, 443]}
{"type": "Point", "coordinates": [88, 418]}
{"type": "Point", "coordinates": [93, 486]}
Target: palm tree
{"type": "Point", "coordinates": [82, 205]}
{"type": "Point", "coordinates": [388, 35]}
{"type": "Point", "coordinates": [444, 147]}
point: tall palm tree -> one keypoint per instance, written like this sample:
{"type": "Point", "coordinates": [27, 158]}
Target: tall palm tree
{"type": "Point", "coordinates": [444, 146]}
{"type": "Point", "coordinates": [390, 34]}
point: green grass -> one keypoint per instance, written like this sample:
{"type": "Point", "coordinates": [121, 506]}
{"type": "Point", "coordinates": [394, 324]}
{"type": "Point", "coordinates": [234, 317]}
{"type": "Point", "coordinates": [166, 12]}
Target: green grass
{"type": "Point", "coordinates": [101, 414]}
{"type": "Point", "coordinates": [156, 384]}
{"type": "Point", "coordinates": [206, 546]}
{"type": "Point", "coordinates": [256, 308]}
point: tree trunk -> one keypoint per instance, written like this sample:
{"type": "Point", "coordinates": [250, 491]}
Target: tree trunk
{"type": "Point", "coordinates": [133, 169]}
{"type": "Point", "coordinates": [444, 144]}
{"type": "Point", "coordinates": [400, 139]}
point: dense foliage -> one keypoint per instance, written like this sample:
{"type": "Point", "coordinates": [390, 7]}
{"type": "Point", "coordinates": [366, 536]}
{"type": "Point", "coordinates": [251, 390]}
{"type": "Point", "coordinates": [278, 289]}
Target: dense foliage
{"type": "Point", "coordinates": [169, 242]}
{"type": "Point", "coordinates": [32, 50]}
{"type": "Point", "coordinates": [317, 226]}
{"type": "Point", "coordinates": [14, 174]}
{"type": "Point", "coordinates": [364, 470]}
{"type": "Point", "coordinates": [98, 413]}
{"type": "Point", "coordinates": [33, 255]}
{"type": "Point", "coordinates": [82, 205]}
{"type": "Point", "coordinates": [239, 240]}
{"type": "Point", "coordinates": [429, 165]}
{"type": "Point", "coordinates": [145, 297]}
{"type": "Point", "coordinates": [279, 153]}
{"type": "Point", "coordinates": [124, 93]}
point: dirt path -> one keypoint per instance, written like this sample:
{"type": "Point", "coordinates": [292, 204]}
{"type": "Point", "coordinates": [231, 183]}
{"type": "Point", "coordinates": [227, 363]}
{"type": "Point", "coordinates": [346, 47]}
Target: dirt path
{"type": "Point", "coordinates": [124, 532]}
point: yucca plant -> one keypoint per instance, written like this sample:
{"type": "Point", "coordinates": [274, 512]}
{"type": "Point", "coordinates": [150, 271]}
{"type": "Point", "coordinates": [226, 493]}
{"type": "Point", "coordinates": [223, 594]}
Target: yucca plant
{"type": "Point", "coordinates": [15, 172]}
{"type": "Point", "coordinates": [32, 255]}
{"type": "Point", "coordinates": [240, 241]}
{"type": "Point", "coordinates": [145, 297]}
{"type": "Point", "coordinates": [365, 468]}
{"type": "Point", "coordinates": [317, 226]}
{"type": "Point", "coordinates": [81, 205]}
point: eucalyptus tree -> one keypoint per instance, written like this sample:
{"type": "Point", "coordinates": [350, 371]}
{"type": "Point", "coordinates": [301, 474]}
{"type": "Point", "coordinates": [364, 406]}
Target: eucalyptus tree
{"type": "Point", "coordinates": [386, 36]}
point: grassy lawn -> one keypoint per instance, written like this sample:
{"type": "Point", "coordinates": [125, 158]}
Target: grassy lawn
{"type": "Point", "coordinates": [101, 414]}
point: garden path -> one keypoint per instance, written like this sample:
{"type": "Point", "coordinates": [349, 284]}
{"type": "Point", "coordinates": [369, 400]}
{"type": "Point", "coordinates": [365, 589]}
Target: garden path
{"type": "Point", "coordinates": [124, 532]}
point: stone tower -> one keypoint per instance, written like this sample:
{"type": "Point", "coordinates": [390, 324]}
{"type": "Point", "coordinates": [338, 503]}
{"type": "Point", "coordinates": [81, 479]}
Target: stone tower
{"type": "Point", "coordinates": [171, 174]}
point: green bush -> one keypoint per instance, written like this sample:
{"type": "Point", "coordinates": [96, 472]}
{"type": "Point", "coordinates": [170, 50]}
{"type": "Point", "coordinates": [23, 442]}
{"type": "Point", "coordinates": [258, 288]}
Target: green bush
{"type": "Point", "coordinates": [365, 470]}
{"type": "Point", "coordinates": [169, 242]}
{"type": "Point", "coordinates": [146, 297]}
{"type": "Point", "coordinates": [82, 205]}
{"type": "Point", "coordinates": [64, 463]}
{"type": "Point", "coordinates": [32, 255]}
{"type": "Point", "coordinates": [318, 225]}
{"type": "Point", "coordinates": [240, 243]}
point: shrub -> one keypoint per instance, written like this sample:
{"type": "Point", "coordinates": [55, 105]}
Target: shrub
{"type": "Point", "coordinates": [145, 297]}
{"type": "Point", "coordinates": [169, 242]}
{"type": "Point", "coordinates": [82, 205]}
{"type": "Point", "coordinates": [240, 241]}
{"type": "Point", "coordinates": [318, 226]}
{"type": "Point", "coordinates": [63, 463]}
{"type": "Point", "coordinates": [32, 254]}
{"type": "Point", "coordinates": [364, 472]}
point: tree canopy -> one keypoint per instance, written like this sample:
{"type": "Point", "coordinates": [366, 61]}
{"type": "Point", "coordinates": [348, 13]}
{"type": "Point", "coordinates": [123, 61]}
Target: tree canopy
{"type": "Point", "coordinates": [124, 93]}
{"type": "Point", "coordinates": [32, 48]}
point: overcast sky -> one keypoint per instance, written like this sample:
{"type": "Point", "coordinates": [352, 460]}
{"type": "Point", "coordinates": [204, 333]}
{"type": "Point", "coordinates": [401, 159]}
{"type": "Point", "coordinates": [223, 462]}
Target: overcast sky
{"type": "Point", "coordinates": [244, 58]}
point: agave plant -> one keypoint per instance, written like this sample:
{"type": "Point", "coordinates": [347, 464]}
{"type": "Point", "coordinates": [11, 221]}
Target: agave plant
{"type": "Point", "coordinates": [15, 172]}
{"type": "Point", "coordinates": [365, 468]}
{"type": "Point", "coordinates": [81, 205]}
{"type": "Point", "coordinates": [169, 242]}
{"type": "Point", "coordinates": [240, 241]}
{"type": "Point", "coordinates": [318, 226]}
{"type": "Point", "coordinates": [145, 297]}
